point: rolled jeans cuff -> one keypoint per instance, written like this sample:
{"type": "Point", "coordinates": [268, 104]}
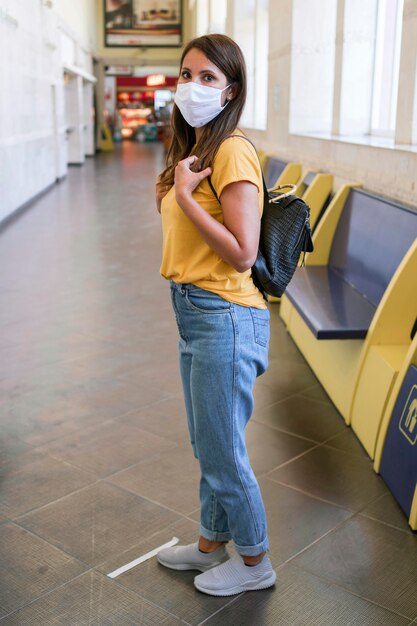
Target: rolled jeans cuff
{"type": "Point", "coordinates": [252, 550]}
{"type": "Point", "coordinates": [213, 535]}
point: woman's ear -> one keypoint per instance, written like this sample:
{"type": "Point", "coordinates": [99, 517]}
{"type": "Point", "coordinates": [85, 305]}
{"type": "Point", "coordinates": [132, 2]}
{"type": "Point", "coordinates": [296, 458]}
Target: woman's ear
{"type": "Point", "coordinates": [232, 92]}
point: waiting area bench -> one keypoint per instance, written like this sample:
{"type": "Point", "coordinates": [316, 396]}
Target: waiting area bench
{"type": "Point", "coordinates": [352, 308]}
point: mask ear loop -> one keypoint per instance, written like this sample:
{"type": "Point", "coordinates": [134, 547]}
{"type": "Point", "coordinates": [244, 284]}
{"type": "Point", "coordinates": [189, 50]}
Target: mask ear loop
{"type": "Point", "coordinates": [228, 99]}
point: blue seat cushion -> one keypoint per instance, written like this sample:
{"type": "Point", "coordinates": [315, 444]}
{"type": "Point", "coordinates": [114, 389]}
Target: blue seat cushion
{"type": "Point", "coordinates": [331, 307]}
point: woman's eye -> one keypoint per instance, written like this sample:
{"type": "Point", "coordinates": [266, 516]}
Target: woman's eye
{"type": "Point", "coordinates": [185, 74]}
{"type": "Point", "coordinates": [208, 78]}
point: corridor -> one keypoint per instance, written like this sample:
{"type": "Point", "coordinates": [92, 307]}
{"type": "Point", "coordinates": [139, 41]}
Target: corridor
{"type": "Point", "coordinates": [96, 466]}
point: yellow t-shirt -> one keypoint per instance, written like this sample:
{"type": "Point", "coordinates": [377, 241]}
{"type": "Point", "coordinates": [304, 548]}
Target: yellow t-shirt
{"type": "Point", "coordinates": [186, 257]}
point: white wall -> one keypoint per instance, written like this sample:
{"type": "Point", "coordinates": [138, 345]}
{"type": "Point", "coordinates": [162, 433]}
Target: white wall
{"type": "Point", "coordinates": [388, 171]}
{"type": "Point", "coordinates": [34, 40]}
{"type": "Point", "coordinates": [81, 17]}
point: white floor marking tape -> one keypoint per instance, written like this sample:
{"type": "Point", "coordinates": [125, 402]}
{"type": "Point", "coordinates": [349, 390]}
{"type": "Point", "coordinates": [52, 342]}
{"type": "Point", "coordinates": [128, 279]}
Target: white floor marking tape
{"type": "Point", "coordinates": [141, 559]}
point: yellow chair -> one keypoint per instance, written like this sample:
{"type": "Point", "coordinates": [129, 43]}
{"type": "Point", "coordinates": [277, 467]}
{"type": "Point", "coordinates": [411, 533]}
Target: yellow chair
{"type": "Point", "coordinates": [290, 175]}
{"type": "Point", "coordinates": [396, 446]}
{"type": "Point", "coordinates": [384, 352]}
{"type": "Point", "coordinates": [315, 188]}
{"type": "Point", "coordinates": [277, 169]}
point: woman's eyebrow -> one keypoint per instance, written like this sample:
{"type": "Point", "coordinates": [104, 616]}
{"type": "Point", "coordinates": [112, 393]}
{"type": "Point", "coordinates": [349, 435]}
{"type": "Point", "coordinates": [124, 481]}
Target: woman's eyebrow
{"type": "Point", "coordinates": [187, 69]}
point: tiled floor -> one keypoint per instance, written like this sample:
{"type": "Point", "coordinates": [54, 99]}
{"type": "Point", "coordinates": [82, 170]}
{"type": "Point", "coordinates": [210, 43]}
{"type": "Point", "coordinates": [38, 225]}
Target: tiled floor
{"type": "Point", "coordinates": [95, 465]}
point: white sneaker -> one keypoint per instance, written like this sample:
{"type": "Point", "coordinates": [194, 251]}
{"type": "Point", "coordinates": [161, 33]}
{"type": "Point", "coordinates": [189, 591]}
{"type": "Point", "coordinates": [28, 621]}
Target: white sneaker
{"type": "Point", "coordinates": [234, 577]}
{"type": "Point", "coordinates": [190, 557]}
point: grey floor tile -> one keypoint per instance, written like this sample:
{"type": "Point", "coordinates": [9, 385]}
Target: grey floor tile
{"type": "Point", "coordinates": [166, 418]}
{"type": "Point", "coordinates": [171, 479]}
{"type": "Point", "coordinates": [10, 449]}
{"type": "Point", "coordinates": [48, 413]}
{"type": "Point", "coordinates": [169, 383]}
{"type": "Point", "coordinates": [301, 599]}
{"type": "Point", "coordinates": [107, 448]}
{"type": "Point", "coordinates": [387, 510]}
{"type": "Point", "coordinates": [39, 418]}
{"type": "Point", "coordinates": [282, 379]}
{"type": "Point", "coordinates": [97, 522]}
{"type": "Point", "coordinates": [91, 599]}
{"type": "Point", "coordinates": [301, 416]}
{"type": "Point", "coordinates": [348, 442]}
{"type": "Point", "coordinates": [281, 346]}
{"type": "Point", "coordinates": [296, 520]}
{"type": "Point", "coordinates": [316, 392]}
{"type": "Point", "coordinates": [370, 559]}
{"type": "Point", "coordinates": [33, 480]}
{"type": "Point", "coordinates": [336, 476]}
{"type": "Point", "coordinates": [29, 567]}
{"type": "Point", "coordinates": [269, 448]}
{"type": "Point", "coordinates": [172, 590]}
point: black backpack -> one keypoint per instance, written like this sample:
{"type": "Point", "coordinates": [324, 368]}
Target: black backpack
{"type": "Point", "coordinates": [285, 235]}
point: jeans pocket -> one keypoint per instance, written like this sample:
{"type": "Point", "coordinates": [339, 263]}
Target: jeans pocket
{"type": "Point", "coordinates": [260, 319]}
{"type": "Point", "coordinates": [206, 302]}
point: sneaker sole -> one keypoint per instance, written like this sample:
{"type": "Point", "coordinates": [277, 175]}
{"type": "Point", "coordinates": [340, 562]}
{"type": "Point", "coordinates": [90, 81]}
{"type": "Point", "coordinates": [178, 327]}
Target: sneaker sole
{"type": "Point", "coordinates": [256, 586]}
{"type": "Point", "coordinates": [188, 566]}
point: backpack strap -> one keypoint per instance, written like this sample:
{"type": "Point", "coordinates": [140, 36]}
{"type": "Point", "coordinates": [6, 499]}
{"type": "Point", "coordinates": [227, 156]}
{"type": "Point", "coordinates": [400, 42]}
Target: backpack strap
{"type": "Point", "coordinates": [263, 179]}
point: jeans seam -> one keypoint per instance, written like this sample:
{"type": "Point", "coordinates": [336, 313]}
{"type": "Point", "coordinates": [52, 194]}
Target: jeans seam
{"type": "Point", "coordinates": [213, 511]}
{"type": "Point", "coordinates": [177, 317]}
{"type": "Point", "coordinates": [235, 361]}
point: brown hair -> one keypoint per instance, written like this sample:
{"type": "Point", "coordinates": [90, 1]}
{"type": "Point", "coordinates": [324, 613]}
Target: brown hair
{"type": "Point", "coordinates": [228, 57]}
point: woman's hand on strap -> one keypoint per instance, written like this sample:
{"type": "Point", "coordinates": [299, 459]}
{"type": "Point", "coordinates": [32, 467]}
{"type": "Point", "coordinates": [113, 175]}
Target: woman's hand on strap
{"type": "Point", "coordinates": [186, 180]}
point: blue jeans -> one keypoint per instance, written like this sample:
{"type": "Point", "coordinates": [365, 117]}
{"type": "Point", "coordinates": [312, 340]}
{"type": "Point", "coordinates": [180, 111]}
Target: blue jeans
{"type": "Point", "coordinates": [223, 348]}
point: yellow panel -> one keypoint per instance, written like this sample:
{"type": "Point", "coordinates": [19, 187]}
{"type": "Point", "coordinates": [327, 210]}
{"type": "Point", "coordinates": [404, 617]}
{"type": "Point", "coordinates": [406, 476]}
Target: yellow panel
{"type": "Point", "coordinates": [285, 309]}
{"type": "Point", "coordinates": [316, 195]}
{"type": "Point", "coordinates": [300, 185]}
{"type": "Point", "coordinates": [334, 362]}
{"type": "Point", "coordinates": [273, 299]}
{"type": "Point", "coordinates": [375, 385]}
{"type": "Point", "coordinates": [413, 513]}
{"type": "Point", "coordinates": [396, 312]}
{"type": "Point", "coordinates": [409, 359]}
{"type": "Point", "coordinates": [290, 175]}
{"type": "Point", "coordinates": [326, 228]}
{"type": "Point", "coordinates": [107, 144]}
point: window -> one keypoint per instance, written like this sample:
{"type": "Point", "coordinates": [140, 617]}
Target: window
{"type": "Point", "coordinates": [251, 31]}
{"type": "Point", "coordinates": [386, 67]}
{"type": "Point", "coordinates": [312, 66]}
{"type": "Point", "coordinates": [345, 68]}
{"type": "Point", "coordinates": [357, 68]}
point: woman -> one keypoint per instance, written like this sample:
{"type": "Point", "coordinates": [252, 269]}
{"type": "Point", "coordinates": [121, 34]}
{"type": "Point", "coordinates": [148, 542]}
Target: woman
{"type": "Point", "coordinates": [209, 247]}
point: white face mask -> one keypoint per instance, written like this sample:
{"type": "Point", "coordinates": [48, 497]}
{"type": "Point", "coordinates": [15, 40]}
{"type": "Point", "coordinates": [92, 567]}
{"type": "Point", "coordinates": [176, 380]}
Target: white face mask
{"type": "Point", "coordinates": [198, 104]}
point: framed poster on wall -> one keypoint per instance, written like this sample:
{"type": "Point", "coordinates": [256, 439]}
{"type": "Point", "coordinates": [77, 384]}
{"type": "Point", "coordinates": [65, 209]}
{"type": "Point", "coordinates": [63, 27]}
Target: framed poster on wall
{"type": "Point", "coordinates": [148, 23]}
